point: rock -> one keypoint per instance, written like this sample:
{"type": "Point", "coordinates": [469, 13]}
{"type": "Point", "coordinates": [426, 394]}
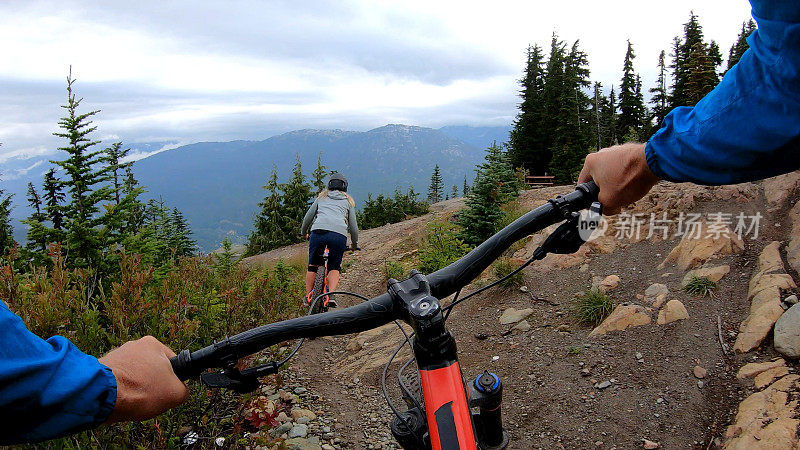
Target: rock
{"type": "Point", "coordinates": [584, 268]}
{"type": "Point", "coordinates": [790, 300]}
{"type": "Point", "coordinates": [300, 390]}
{"type": "Point", "coordinates": [481, 336]}
{"type": "Point", "coordinates": [766, 419]}
{"type": "Point", "coordinates": [282, 417]}
{"type": "Point", "coordinates": [604, 244]}
{"type": "Point", "coordinates": [354, 345]}
{"type": "Point", "coordinates": [787, 333]}
{"type": "Point", "coordinates": [303, 420]}
{"type": "Point", "coordinates": [299, 430]}
{"type": "Point", "coordinates": [700, 384]}
{"type": "Point", "coordinates": [603, 385]}
{"type": "Point", "coordinates": [692, 252]}
{"type": "Point", "coordinates": [564, 328]}
{"type": "Point", "coordinates": [766, 377]}
{"type": "Point", "coordinates": [300, 443]}
{"type": "Point", "coordinates": [751, 370]}
{"type": "Point", "coordinates": [793, 247]}
{"type": "Point", "coordinates": [513, 315]}
{"type": "Point", "coordinates": [764, 293]}
{"type": "Point", "coordinates": [623, 316]}
{"type": "Point", "coordinates": [522, 326]}
{"type": "Point", "coordinates": [672, 311]}
{"type": "Point", "coordinates": [297, 413]}
{"type": "Point", "coordinates": [655, 294]}
{"type": "Point", "coordinates": [714, 273]}
{"type": "Point", "coordinates": [779, 189]}
{"type": "Point", "coordinates": [609, 283]}
{"type": "Point", "coordinates": [280, 429]}
{"type": "Point", "coordinates": [700, 372]}
{"type": "Point", "coordinates": [650, 445]}
{"type": "Point", "coordinates": [523, 288]}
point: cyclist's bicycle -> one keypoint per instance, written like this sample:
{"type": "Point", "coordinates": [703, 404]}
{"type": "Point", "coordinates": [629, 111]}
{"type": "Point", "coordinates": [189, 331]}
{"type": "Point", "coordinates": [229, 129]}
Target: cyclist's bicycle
{"type": "Point", "coordinates": [318, 298]}
{"type": "Point", "coordinates": [450, 414]}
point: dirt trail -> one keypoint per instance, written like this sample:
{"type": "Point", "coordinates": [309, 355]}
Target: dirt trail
{"type": "Point", "coordinates": [550, 371]}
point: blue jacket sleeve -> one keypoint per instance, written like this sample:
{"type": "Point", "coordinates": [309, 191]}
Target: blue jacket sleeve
{"type": "Point", "coordinates": [48, 388]}
{"type": "Point", "coordinates": [748, 127]}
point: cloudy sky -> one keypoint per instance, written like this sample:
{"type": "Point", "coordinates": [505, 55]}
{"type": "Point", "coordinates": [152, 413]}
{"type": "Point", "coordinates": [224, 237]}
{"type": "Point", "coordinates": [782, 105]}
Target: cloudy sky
{"type": "Point", "coordinates": [188, 71]}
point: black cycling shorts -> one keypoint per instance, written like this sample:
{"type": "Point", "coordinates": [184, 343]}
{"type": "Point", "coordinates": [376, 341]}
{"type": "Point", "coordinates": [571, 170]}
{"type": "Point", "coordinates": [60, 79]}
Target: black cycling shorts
{"type": "Point", "coordinates": [336, 243]}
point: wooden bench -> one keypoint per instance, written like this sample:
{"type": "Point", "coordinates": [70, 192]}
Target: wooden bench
{"type": "Point", "coordinates": [539, 181]}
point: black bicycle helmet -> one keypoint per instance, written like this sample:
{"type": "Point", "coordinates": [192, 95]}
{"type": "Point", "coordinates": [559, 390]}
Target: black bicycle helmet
{"type": "Point", "coordinates": [337, 182]}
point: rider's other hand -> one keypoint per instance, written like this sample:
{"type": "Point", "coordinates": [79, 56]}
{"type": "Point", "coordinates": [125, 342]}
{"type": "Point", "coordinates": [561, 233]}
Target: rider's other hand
{"type": "Point", "coordinates": [305, 236]}
{"type": "Point", "coordinates": [621, 173]}
{"type": "Point", "coordinates": [146, 384]}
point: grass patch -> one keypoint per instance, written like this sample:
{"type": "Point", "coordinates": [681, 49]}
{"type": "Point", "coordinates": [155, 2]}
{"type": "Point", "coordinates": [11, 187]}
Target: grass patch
{"type": "Point", "coordinates": [504, 266]}
{"type": "Point", "coordinates": [593, 307]}
{"type": "Point", "coordinates": [573, 350]}
{"type": "Point", "coordinates": [394, 269]}
{"type": "Point", "coordinates": [701, 286]}
{"type": "Point", "coordinates": [440, 247]}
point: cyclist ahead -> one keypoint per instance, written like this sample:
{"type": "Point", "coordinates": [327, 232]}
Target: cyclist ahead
{"type": "Point", "coordinates": [330, 218]}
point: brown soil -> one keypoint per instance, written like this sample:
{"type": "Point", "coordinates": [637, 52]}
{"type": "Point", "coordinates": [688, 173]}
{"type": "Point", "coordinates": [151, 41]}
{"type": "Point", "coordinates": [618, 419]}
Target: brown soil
{"type": "Point", "coordinates": [547, 401]}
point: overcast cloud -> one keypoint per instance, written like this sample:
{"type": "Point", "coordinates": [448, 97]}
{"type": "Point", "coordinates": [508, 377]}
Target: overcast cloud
{"type": "Point", "coordinates": [186, 71]}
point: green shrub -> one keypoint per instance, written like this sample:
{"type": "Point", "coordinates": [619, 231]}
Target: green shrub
{"type": "Point", "coordinates": [394, 269]}
{"type": "Point", "coordinates": [504, 266]}
{"type": "Point", "coordinates": [440, 247]}
{"type": "Point", "coordinates": [593, 307]}
{"type": "Point", "coordinates": [701, 286]}
{"type": "Point", "coordinates": [190, 306]}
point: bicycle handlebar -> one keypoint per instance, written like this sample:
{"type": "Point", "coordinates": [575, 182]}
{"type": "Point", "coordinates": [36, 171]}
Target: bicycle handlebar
{"type": "Point", "coordinates": [381, 310]}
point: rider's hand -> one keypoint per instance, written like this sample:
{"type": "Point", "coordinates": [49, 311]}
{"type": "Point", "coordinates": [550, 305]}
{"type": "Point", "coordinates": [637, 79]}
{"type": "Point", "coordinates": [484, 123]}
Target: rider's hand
{"type": "Point", "coordinates": [146, 384]}
{"type": "Point", "coordinates": [621, 173]}
{"type": "Point", "coordinates": [305, 236]}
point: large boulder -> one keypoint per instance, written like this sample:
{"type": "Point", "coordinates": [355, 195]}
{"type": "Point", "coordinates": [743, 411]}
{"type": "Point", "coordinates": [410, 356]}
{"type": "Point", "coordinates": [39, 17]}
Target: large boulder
{"type": "Point", "coordinates": [764, 294]}
{"type": "Point", "coordinates": [793, 247]}
{"type": "Point", "coordinates": [779, 189]}
{"type": "Point", "coordinates": [787, 333]}
{"type": "Point", "coordinates": [623, 316]}
{"type": "Point", "coordinates": [709, 242]}
{"type": "Point", "coordinates": [766, 419]}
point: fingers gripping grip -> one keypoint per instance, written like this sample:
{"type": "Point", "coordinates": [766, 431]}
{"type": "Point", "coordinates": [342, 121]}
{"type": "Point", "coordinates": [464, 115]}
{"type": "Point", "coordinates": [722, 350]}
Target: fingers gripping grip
{"type": "Point", "coordinates": [182, 365]}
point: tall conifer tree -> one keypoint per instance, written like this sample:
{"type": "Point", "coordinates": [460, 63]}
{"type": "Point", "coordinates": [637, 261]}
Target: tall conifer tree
{"type": "Point", "coordinates": [527, 142]}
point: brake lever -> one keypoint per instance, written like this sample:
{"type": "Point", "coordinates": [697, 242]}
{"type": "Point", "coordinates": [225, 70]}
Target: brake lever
{"type": "Point", "coordinates": [240, 381]}
{"type": "Point", "coordinates": [570, 235]}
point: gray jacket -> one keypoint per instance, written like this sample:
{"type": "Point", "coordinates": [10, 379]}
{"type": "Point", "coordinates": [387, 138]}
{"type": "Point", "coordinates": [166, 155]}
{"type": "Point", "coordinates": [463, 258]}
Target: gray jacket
{"type": "Point", "coordinates": [332, 213]}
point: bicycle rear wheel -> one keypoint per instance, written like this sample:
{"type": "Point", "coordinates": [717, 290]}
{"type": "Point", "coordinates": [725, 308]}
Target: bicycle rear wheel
{"type": "Point", "coordinates": [319, 286]}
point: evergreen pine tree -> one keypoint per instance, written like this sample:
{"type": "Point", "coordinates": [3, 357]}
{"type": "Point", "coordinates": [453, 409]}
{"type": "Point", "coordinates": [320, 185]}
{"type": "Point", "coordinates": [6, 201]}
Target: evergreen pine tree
{"type": "Point", "coordinates": [631, 102]}
{"type": "Point", "coordinates": [740, 46]}
{"type": "Point", "coordinates": [37, 231]}
{"type": "Point", "coordinates": [6, 231]}
{"type": "Point", "coordinates": [494, 186]}
{"type": "Point", "coordinates": [454, 192]}
{"type": "Point", "coordinates": [465, 190]}
{"type": "Point", "coordinates": [269, 224]}
{"type": "Point", "coordinates": [572, 132]}
{"type": "Point", "coordinates": [527, 142]}
{"type": "Point", "coordinates": [694, 65]}
{"type": "Point", "coordinates": [436, 188]}
{"type": "Point", "coordinates": [114, 155]}
{"type": "Point", "coordinates": [296, 200]}
{"type": "Point", "coordinates": [318, 176]}
{"type": "Point", "coordinates": [659, 97]}
{"type": "Point", "coordinates": [182, 240]}
{"type": "Point", "coordinates": [54, 198]}
{"type": "Point", "coordinates": [83, 221]}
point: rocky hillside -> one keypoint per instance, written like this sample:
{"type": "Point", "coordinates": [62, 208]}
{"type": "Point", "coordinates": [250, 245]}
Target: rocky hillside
{"type": "Point", "coordinates": [667, 368]}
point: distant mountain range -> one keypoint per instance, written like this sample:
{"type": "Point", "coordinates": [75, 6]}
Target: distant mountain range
{"type": "Point", "coordinates": [217, 185]}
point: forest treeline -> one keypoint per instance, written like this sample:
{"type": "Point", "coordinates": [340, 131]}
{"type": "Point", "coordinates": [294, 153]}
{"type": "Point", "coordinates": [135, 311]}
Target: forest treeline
{"type": "Point", "coordinates": [563, 115]}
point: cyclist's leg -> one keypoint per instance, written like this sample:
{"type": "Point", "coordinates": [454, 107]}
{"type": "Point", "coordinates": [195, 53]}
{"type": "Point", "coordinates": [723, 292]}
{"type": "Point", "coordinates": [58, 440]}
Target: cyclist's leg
{"type": "Point", "coordinates": [337, 244]}
{"type": "Point", "coordinates": [316, 246]}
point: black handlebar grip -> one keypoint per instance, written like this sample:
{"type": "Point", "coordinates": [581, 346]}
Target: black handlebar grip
{"type": "Point", "coordinates": [589, 188]}
{"type": "Point", "coordinates": [182, 365]}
